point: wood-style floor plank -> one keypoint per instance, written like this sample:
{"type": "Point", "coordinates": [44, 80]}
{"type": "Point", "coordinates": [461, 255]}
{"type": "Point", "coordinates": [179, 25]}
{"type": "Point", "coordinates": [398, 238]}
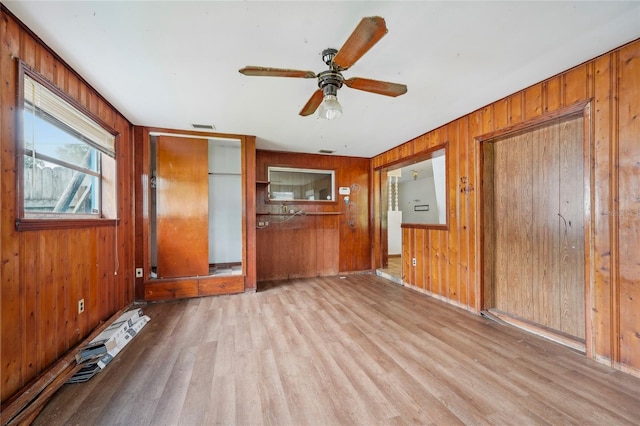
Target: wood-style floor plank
{"type": "Point", "coordinates": [336, 351]}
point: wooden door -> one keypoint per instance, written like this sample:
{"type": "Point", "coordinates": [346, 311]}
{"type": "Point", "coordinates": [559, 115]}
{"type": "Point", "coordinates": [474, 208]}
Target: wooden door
{"type": "Point", "coordinates": [534, 226]}
{"type": "Point", "coordinates": [182, 219]}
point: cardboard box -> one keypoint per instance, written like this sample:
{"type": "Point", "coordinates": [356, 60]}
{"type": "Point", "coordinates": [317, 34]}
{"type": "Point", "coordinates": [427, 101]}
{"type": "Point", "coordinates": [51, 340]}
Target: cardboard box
{"type": "Point", "coordinates": [130, 334]}
{"type": "Point", "coordinates": [95, 356]}
{"type": "Point", "coordinates": [110, 337]}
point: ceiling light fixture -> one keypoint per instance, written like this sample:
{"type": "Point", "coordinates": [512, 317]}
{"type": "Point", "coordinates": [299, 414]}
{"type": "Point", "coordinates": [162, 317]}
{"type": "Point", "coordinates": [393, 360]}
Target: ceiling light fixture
{"type": "Point", "coordinates": [330, 108]}
{"type": "Point", "coordinates": [330, 81]}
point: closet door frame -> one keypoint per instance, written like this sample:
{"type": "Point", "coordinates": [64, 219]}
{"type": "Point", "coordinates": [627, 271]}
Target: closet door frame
{"type": "Point", "coordinates": [486, 256]}
{"type": "Point", "coordinates": [150, 288]}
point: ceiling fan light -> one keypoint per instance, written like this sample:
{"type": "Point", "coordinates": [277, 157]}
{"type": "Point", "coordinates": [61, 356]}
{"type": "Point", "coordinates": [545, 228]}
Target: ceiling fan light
{"type": "Point", "coordinates": [330, 108]}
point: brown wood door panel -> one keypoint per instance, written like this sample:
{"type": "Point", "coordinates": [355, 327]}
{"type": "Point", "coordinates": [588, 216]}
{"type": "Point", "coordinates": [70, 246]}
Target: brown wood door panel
{"type": "Point", "coordinates": [571, 224]}
{"type": "Point", "coordinates": [535, 228]}
{"type": "Point", "coordinates": [182, 220]}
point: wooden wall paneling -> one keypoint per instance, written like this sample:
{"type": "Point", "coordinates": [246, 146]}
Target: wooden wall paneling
{"type": "Point", "coordinates": [11, 297]}
{"type": "Point", "coordinates": [434, 260]}
{"type": "Point", "coordinates": [575, 85]}
{"type": "Point", "coordinates": [30, 312]}
{"type": "Point", "coordinates": [552, 94]}
{"type": "Point", "coordinates": [73, 85]}
{"type": "Point", "coordinates": [629, 205]}
{"type": "Point", "coordinates": [451, 254]}
{"type": "Point", "coordinates": [602, 80]}
{"type": "Point", "coordinates": [249, 213]}
{"type": "Point", "coordinates": [378, 218]}
{"type": "Point", "coordinates": [407, 254]}
{"type": "Point", "coordinates": [495, 116]}
{"type": "Point", "coordinates": [355, 243]}
{"type": "Point", "coordinates": [533, 102]}
{"type": "Point", "coordinates": [515, 109]}
{"type": "Point", "coordinates": [61, 282]}
{"type": "Point", "coordinates": [464, 192]}
{"type": "Point", "coordinates": [45, 62]}
{"type": "Point", "coordinates": [420, 144]}
{"type": "Point", "coordinates": [419, 253]}
{"type": "Point", "coordinates": [44, 272]}
{"type": "Point", "coordinates": [90, 290]}
{"type": "Point", "coordinates": [604, 159]}
{"type": "Point", "coordinates": [46, 263]}
{"type": "Point", "coordinates": [328, 239]}
{"type": "Point", "coordinates": [351, 224]}
{"type": "Point", "coordinates": [79, 271]}
{"type": "Point", "coordinates": [103, 289]}
{"type": "Point", "coordinates": [428, 262]}
{"type": "Point", "coordinates": [473, 239]}
{"type": "Point", "coordinates": [571, 212]}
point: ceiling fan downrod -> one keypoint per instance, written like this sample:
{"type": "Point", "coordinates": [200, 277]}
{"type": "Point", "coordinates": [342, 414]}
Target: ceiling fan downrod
{"type": "Point", "coordinates": [330, 80]}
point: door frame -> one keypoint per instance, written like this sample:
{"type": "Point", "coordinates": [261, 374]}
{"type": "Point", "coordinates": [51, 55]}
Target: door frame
{"type": "Point", "coordinates": [582, 108]}
{"type": "Point", "coordinates": [147, 288]}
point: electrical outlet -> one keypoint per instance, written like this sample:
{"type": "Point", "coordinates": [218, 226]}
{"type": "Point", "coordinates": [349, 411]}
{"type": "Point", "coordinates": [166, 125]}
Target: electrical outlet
{"type": "Point", "coordinates": [413, 261]}
{"type": "Point", "coordinates": [80, 306]}
{"type": "Point", "coordinates": [139, 272]}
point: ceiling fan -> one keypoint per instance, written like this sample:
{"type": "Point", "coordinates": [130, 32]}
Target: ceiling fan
{"type": "Point", "coordinates": [368, 32]}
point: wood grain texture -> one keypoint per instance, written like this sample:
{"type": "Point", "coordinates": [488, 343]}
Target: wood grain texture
{"type": "Point", "coordinates": [610, 82]}
{"type": "Point", "coordinates": [182, 208]}
{"type": "Point", "coordinates": [331, 351]}
{"type": "Point", "coordinates": [627, 209]}
{"type": "Point", "coordinates": [538, 234]}
{"type": "Point", "coordinates": [45, 272]}
{"type": "Point", "coordinates": [289, 246]}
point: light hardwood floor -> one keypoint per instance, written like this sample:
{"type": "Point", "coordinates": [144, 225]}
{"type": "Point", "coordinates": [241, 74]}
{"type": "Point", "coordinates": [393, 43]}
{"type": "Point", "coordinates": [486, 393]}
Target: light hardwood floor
{"type": "Point", "coordinates": [341, 351]}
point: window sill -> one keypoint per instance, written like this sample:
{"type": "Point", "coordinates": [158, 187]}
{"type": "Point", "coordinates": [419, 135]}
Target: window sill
{"type": "Point", "coordinates": [23, 224]}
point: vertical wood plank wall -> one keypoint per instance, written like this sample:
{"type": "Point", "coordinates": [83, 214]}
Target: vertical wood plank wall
{"type": "Point", "coordinates": [45, 272]}
{"type": "Point", "coordinates": [452, 257]}
{"type": "Point", "coordinates": [308, 246]}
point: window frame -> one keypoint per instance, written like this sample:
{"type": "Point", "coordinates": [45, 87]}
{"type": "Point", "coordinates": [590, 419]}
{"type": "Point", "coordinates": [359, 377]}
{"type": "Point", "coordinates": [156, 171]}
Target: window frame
{"type": "Point", "coordinates": [46, 220]}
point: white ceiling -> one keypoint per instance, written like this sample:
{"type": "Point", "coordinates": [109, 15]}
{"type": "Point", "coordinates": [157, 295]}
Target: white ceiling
{"type": "Point", "coordinates": [171, 64]}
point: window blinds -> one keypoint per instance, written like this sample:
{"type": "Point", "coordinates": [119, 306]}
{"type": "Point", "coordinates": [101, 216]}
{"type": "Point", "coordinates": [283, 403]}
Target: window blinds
{"type": "Point", "coordinates": [50, 103]}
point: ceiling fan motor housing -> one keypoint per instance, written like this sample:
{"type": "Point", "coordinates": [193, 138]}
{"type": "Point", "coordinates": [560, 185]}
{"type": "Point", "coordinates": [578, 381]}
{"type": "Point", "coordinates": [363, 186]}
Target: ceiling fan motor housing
{"type": "Point", "coordinates": [330, 80]}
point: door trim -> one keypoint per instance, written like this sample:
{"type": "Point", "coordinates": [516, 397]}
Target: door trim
{"type": "Point", "coordinates": [581, 108]}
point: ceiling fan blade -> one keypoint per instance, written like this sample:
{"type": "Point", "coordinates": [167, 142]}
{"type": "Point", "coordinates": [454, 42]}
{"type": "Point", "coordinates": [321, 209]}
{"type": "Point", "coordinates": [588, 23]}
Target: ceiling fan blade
{"type": "Point", "coordinates": [313, 103]}
{"type": "Point", "coordinates": [276, 72]}
{"type": "Point", "coordinates": [376, 86]}
{"type": "Point", "coordinates": [368, 32]}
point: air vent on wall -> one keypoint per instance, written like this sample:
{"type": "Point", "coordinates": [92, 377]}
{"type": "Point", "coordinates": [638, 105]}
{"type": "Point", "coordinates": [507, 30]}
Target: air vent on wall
{"type": "Point", "coordinates": [203, 126]}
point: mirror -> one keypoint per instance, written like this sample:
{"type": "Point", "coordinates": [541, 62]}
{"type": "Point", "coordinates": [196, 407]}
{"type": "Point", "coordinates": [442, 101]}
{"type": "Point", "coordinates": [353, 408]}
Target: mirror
{"type": "Point", "coordinates": [294, 184]}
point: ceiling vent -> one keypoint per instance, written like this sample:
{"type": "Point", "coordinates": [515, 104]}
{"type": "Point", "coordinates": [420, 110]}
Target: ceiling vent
{"type": "Point", "coordinates": [326, 151]}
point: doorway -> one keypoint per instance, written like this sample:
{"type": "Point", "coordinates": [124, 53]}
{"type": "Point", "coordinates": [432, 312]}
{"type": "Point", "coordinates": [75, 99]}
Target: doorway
{"type": "Point", "coordinates": [196, 206]}
{"type": "Point", "coordinates": [534, 229]}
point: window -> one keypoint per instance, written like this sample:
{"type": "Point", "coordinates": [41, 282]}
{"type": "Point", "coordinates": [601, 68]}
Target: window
{"type": "Point", "coordinates": [293, 184]}
{"type": "Point", "coordinates": [68, 160]}
{"type": "Point", "coordinates": [417, 190]}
